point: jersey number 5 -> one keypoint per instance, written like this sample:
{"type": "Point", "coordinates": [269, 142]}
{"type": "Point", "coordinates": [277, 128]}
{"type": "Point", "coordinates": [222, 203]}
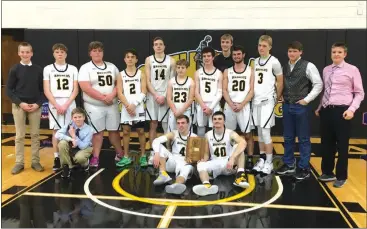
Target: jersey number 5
{"type": "Point", "coordinates": [207, 87]}
{"type": "Point", "coordinates": [260, 81]}
{"type": "Point", "coordinates": [220, 152]}
{"type": "Point", "coordinates": [162, 75]}
{"type": "Point", "coordinates": [64, 86]}
{"type": "Point", "coordinates": [103, 80]}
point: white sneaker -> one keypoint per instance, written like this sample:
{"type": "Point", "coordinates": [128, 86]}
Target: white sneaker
{"type": "Point", "coordinates": [161, 179]}
{"type": "Point", "coordinates": [176, 188]}
{"type": "Point", "coordinates": [259, 165]}
{"type": "Point", "coordinates": [202, 190]}
{"type": "Point", "coordinates": [268, 168]}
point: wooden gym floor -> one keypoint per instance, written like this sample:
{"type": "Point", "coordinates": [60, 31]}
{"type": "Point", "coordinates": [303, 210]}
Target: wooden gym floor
{"type": "Point", "coordinates": [102, 197]}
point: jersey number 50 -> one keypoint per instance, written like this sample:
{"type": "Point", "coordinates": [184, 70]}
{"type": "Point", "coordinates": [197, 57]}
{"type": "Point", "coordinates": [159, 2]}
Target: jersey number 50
{"type": "Point", "coordinates": [103, 80]}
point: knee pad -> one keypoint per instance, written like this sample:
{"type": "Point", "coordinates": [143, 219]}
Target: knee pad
{"type": "Point", "coordinates": [266, 135]}
{"type": "Point", "coordinates": [259, 132]}
{"type": "Point", "coordinates": [201, 166]}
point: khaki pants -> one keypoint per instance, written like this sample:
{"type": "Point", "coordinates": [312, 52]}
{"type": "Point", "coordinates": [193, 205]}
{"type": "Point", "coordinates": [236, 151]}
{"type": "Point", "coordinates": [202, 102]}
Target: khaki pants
{"type": "Point", "coordinates": [34, 119]}
{"type": "Point", "coordinates": [81, 157]}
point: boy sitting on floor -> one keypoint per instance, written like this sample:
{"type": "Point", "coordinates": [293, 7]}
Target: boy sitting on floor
{"type": "Point", "coordinates": [75, 143]}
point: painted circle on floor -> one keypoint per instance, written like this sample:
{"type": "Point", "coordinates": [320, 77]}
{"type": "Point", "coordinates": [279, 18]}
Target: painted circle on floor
{"type": "Point", "coordinates": [96, 200]}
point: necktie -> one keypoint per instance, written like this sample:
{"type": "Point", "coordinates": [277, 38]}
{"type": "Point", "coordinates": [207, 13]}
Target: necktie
{"type": "Point", "coordinates": [77, 132]}
{"type": "Point", "coordinates": [328, 86]}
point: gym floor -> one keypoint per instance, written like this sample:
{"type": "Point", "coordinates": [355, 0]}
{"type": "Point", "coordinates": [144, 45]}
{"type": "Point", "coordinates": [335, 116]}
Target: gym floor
{"type": "Point", "coordinates": [107, 197]}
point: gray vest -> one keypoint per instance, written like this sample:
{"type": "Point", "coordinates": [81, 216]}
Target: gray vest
{"type": "Point", "coordinates": [296, 84]}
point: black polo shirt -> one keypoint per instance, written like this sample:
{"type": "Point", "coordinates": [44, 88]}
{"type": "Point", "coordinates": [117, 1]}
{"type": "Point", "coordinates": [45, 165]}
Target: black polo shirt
{"type": "Point", "coordinates": [222, 63]}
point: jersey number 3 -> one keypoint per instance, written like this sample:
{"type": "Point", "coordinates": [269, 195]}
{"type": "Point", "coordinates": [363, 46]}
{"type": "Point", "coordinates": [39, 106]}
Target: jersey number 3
{"type": "Point", "coordinates": [260, 81]}
{"type": "Point", "coordinates": [62, 84]}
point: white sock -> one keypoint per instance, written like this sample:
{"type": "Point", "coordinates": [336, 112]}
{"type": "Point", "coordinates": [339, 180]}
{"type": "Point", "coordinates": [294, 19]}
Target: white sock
{"type": "Point", "coordinates": [262, 152]}
{"type": "Point", "coordinates": [56, 154]}
{"type": "Point", "coordinates": [240, 170]}
{"type": "Point", "coordinates": [269, 158]}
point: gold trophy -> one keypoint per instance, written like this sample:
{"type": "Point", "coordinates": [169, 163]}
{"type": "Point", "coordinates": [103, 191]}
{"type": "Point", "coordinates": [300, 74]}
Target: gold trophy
{"type": "Point", "coordinates": [196, 148]}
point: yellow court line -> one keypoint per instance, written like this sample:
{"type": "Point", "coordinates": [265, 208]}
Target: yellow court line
{"type": "Point", "coordinates": [331, 199]}
{"type": "Point", "coordinates": [116, 185]}
{"type": "Point", "coordinates": [170, 211]}
{"type": "Point", "coordinates": [242, 204]}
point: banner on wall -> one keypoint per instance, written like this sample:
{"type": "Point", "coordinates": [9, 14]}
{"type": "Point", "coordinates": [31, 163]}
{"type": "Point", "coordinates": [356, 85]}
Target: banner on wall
{"type": "Point", "coordinates": [194, 58]}
{"type": "Point", "coordinates": [44, 112]}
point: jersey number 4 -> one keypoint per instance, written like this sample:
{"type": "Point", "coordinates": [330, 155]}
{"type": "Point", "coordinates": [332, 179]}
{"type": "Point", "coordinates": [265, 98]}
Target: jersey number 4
{"type": "Point", "coordinates": [103, 80]}
{"type": "Point", "coordinates": [62, 84]}
{"type": "Point", "coordinates": [162, 75]}
{"type": "Point", "coordinates": [182, 151]}
{"type": "Point", "coordinates": [178, 95]}
{"type": "Point", "coordinates": [238, 85]}
{"type": "Point", "coordinates": [220, 152]}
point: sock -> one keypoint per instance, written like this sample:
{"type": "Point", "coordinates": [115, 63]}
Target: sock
{"type": "Point", "coordinates": [165, 126]}
{"type": "Point", "coordinates": [269, 158]}
{"type": "Point", "coordinates": [249, 158]}
{"type": "Point", "coordinates": [201, 131]}
{"type": "Point", "coordinates": [56, 154]}
{"type": "Point", "coordinates": [207, 184]}
{"type": "Point", "coordinates": [240, 170]}
{"type": "Point", "coordinates": [262, 155]}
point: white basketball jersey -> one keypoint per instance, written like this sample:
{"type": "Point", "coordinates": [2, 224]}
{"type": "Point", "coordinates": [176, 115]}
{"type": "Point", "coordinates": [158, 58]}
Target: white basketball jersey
{"type": "Point", "coordinates": [180, 92]}
{"type": "Point", "coordinates": [160, 73]}
{"type": "Point", "coordinates": [264, 85]}
{"type": "Point", "coordinates": [131, 85]}
{"type": "Point", "coordinates": [102, 79]}
{"type": "Point", "coordinates": [208, 84]}
{"type": "Point", "coordinates": [61, 79]}
{"type": "Point", "coordinates": [239, 84]}
{"type": "Point", "coordinates": [219, 146]}
{"type": "Point", "coordinates": [180, 142]}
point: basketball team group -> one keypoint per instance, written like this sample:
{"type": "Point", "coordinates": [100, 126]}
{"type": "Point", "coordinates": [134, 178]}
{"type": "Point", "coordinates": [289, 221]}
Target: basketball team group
{"type": "Point", "coordinates": [226, 100]}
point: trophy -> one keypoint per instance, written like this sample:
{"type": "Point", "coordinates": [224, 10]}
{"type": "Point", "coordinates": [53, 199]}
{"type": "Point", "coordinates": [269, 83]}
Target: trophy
{"type": "Point", "coordinates": [196, 148]}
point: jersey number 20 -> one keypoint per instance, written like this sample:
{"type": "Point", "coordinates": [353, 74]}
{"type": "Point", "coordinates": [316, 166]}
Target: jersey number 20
{"type": "Point", "coordinates": [238, 85]}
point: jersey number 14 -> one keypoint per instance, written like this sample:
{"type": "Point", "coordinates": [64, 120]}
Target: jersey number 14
{"type": "Point", "coordinates": [162, 75]}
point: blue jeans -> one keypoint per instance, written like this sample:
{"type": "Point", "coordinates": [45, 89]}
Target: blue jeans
{"type": "Point", "coordinates": [296, 123]}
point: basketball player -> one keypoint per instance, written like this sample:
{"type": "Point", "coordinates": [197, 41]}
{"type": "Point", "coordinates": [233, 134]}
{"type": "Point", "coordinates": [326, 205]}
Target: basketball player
{"type": "Point", "coordinates": [60, 84]}
{"type": "Point", "coordinates": [238, 90]}
{"type": "Point", "coordinates": [159, 68]}
{"type": "Point", "coordinates": [131, 90]}
{"type": "Point", "coordinates": [175, 161]}
{"type": "Point", "coordinates": [226, 151]}
{"type": "Point", "coordinates": [268, 89]}
{"type": "Point", "coordinates": [180, 95]}
{"type": "Point", "coordinates": [208, 90]}
{"type": "Point", "coordinates": [97, 79]}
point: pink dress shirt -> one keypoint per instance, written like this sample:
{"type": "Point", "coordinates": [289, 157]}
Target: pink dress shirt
{"type": "Point", "coordinates": [346, 86]}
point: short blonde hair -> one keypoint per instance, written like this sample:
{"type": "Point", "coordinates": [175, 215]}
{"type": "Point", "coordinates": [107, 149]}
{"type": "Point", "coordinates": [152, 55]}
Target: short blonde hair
{"type": "Point", "coordinates": [266, 38]}
{"type": "Point", "coordinates": [25, 44]}
{"type": "Point", "coordinates": [182, 62]}
{"type": "Point", "coordinates": [227, 37]}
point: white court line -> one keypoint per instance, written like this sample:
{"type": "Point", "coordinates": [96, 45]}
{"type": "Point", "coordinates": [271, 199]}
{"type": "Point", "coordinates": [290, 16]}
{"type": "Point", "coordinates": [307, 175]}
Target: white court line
{"type": "Point", "coordinates": [92, 197]}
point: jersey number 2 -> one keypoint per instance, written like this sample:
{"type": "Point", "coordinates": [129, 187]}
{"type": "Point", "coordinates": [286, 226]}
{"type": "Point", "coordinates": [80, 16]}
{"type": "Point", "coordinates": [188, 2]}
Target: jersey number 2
{"type": "Point", "coordinates": [62, 84]}
{"type": "Point", "coordinates": [162, 75]}
{"type": "Point", "coordinates": [132, 89]}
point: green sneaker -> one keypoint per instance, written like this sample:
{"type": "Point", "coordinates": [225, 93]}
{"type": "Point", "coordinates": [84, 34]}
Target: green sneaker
{"type": "Point", "coordinates": [124, 162]}
{"type": "Point", "coordinates": [143, 161]}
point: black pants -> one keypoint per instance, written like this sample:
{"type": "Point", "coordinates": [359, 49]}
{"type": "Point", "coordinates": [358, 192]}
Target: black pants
{"type": "Point", "coordinates": [335, 134]}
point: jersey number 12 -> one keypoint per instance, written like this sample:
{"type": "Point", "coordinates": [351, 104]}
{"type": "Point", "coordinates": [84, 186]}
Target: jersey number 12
{"type": "Point", "coordinates": [62, 84]}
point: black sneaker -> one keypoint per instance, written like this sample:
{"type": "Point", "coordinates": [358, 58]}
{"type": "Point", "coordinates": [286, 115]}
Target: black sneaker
{"type": "Point", "coordinates": [249, 165]}
{"type": "Point", "coordinates": [66, 172]}
{"type": "Point", "coordinates": [284, 169]}
{"type": "Point", "coordinates": [86, 166]}
{"type": "Point", "coordinates": [57, 164]}
{"type": "Point", "coordinates": [302, 174]}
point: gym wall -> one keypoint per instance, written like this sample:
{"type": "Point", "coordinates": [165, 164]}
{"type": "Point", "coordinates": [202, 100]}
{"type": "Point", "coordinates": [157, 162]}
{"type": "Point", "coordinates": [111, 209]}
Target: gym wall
{"type": "Point", "coordinates": [184, 36]}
